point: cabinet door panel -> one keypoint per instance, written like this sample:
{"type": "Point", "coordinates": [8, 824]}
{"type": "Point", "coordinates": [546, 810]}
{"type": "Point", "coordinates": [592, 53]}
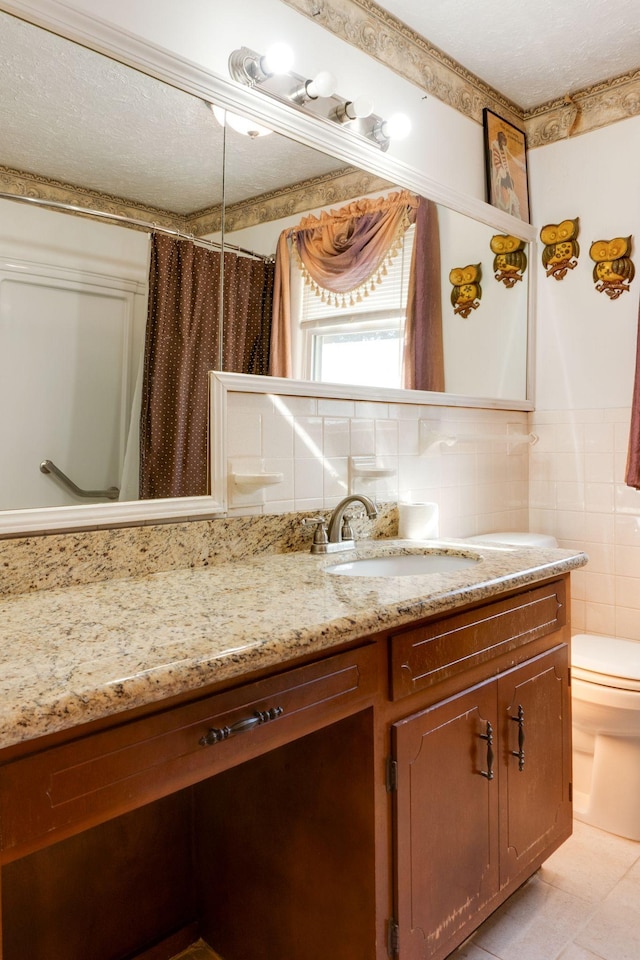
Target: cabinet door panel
{"type": "Point", "coordinates": [446, 823]}
{"type": "Point", "coordinates": [534, 788]}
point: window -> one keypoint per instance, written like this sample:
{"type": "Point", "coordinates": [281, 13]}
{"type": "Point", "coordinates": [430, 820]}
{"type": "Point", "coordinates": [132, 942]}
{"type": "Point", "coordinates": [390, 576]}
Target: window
{"type": "Point", "coordinates": [361, 342]}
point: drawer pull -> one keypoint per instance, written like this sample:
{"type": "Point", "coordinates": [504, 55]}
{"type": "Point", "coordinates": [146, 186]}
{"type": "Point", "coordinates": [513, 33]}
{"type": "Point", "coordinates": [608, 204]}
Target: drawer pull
{"type": "Point", "coordinates": [488, 736]}
{"type": "Point", "coordinates": [519, 753]}
{"type": "Point", "coordinates": [216, 734]}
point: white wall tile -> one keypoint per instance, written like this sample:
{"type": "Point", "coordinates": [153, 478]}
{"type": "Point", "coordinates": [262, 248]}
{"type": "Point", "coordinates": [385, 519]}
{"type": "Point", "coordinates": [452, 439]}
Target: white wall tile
{"type": "Point", "coordinates": [599, 467]}
{"type": "Point", "coordinates": [627, 623]}
{"type": "Point", "coordinates": [307, 437]}
{"type": "Point", "coordinates": [600, 618]}
{"type": "Point", "coordinates": [627, 560]}
{"type": "Point", "coordinates": [297, 406]}
{"type": "Point", "coordinates": [363, 437]}
{"type": "Point", "coordinates": [336, 438]}
{"type": "Point", "coordinates": [599, 587]}
{"type": "Point", "coordinates": [308, 479]}
{"type": "Point", "coordinates": [277, 436]}
{"type": "Point", "coordinates": [335, 479]}
{"type": "Point", "coordinates": [627, 592]}
{"type": "Point", "coordinates": [249, 403]}
{"type": "Point", "coordinates": [336, 408]}
{"type": "Point", "coordinates": [408, 438]}
{"type": "Point", "coordinates": [285, 489]}
{"type": "Point", "coordinates": [386, 434]}
{"type": "Point", "coordinates": [244, 437]}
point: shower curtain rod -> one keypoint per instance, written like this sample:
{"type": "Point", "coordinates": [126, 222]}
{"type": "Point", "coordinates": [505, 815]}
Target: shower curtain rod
{"type": "Point", "coordinates": [120, 218]}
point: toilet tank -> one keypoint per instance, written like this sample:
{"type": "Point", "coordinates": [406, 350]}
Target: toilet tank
{"type": "Point", "coordinates": [516, 538]}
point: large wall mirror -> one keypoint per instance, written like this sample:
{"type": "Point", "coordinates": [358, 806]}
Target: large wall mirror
{"type": "Point", "coordinates": [85, 132]}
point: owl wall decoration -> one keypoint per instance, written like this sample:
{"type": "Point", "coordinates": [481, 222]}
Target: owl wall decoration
{"type": "Point", "coordinates": [561, 250]}
{"type": "Point", "coordinates": [510, 261]}
{"type": "Point", "coordinates": [614, 269]}
{"type": "Point", "coordinates": [467, 291]}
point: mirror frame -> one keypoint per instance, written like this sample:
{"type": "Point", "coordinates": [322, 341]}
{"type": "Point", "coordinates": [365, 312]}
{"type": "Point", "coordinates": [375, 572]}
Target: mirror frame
{"type": "Point", "coordinates": [290, 121]}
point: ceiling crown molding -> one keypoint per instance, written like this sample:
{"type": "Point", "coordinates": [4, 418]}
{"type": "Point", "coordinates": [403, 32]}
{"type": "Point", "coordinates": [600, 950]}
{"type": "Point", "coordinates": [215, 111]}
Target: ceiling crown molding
{"type": "Point", "coordinates": [374, 31]}
{"type": "Point", "coordinates": [307, 195]}
{"type": "Point", "coordinates": [588, 109]}
{"type": "Point", "coordinates": [365, 25]}
{"type": "Point", "coordinates": [22, 184]}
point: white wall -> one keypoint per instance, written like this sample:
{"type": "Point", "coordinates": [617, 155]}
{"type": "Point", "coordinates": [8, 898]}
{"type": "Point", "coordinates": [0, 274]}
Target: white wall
{"type": "Point", "coordinates": [72, 319]}
{"type": "Point", "coordinates": [586, 348]}
{"type": "Point", "coordinates": [586, 342]}
{"type": "Point", "coordinates": [444, 144]}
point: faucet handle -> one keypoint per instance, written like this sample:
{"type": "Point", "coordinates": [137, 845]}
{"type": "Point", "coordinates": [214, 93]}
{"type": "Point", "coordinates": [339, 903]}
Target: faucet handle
{"type": "Point", "coordinates": [347, 530]}
{"type": "Point", "coordinates": [320, 536]}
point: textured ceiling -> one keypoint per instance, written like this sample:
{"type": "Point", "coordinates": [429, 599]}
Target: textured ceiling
{"type": "Point", "coordinates": [531, 51]}
{"type": "Point", "coordinates": [72, 115]}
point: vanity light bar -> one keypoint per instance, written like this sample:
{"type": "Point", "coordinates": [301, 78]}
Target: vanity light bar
{"type": "Point", "coordinates": [314, 96]}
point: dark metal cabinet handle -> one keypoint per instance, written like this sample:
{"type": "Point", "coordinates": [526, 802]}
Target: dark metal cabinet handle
{"type": "Point", "coordinates": [216, 734]}
{"type": "Point", "coordinates": [488, 736]}
{"type": "Point", "coordinates": [519, 753]}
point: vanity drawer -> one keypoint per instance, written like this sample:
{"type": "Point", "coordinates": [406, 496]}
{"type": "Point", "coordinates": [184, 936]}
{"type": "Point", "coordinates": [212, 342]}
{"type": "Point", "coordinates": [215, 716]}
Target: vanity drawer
{"type": "Point", "coordinates": [61, 791]}
{"type": "Point", "coordinates": [423, 657]}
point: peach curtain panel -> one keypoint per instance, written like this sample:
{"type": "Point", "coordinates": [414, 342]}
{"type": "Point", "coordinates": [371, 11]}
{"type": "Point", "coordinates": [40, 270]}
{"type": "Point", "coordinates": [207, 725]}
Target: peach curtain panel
{"type": "Point", "coordinates": [632, 477]}
{"type": "Point", "coordinates": [183, 343]}
{"type": "Point", "coordinates": [423, 367]}
{"type": "Point", "coordinates": [280, 364]}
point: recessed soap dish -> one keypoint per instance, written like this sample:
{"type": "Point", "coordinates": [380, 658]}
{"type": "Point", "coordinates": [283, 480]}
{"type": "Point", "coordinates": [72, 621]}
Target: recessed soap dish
{"type": "Point", "coordinates": [368, 468]}
{"type": "Point", "coordinates": [253, 481]}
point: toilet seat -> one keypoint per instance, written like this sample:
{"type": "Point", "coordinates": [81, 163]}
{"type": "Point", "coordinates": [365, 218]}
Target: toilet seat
{"type": "Point", "coordinates": [606, 661]}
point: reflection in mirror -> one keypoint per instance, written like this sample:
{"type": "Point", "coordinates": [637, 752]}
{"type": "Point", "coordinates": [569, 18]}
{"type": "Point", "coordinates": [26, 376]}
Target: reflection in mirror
{"type": "Point", "coordinates": [363, 338]}
{"type": "Point", "coordinates": [117, 156]}
{"type": "Point", "coordinates": [82, 133]}
{"type": "Point", "coordinates": [85, 133]}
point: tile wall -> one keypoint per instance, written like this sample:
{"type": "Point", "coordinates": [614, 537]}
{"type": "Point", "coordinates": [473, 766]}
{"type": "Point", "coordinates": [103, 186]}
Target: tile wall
{"type": "Point", "coordinates": [577, 492]}
{"type": "Point", "coordinates": [479, 482]}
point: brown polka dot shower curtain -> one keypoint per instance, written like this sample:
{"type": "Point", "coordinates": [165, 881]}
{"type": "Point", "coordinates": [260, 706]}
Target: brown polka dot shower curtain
{"type": "Point", "coordinates": [183, 344]}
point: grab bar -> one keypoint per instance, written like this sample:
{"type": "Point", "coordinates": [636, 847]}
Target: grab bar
{"type": "Point", "coordinates": [48, 466]}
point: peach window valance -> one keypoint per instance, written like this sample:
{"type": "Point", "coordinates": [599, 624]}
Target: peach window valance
{"type": "Point", "coordinates": [344, 254]}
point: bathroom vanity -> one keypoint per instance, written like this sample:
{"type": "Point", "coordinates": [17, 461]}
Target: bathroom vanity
{"type": "Point", "coordinates": [282, 763]}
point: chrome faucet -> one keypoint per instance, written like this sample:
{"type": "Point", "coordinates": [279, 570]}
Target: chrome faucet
{"type": "Point", "coordinates": [339, 527]}
{"type": "Point", "coordinates": [339, 536]}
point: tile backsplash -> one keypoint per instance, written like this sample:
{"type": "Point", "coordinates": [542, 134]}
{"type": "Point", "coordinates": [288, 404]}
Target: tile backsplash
{"type": "Point", "coordinates": [577, 492]}
{"type": "Point", "coordinates": [477, 475]}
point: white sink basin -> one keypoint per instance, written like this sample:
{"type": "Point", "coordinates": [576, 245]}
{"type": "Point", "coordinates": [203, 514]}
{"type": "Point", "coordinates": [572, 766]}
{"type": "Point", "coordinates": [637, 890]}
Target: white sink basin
{"type": "Point", "coordinates": [402, 565]}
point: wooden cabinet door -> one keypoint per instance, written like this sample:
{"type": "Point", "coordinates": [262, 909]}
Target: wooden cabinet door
{"type": "Point", "coordinates": [446, 820]}
{"type": "Point", "coordinates": [535, 761]}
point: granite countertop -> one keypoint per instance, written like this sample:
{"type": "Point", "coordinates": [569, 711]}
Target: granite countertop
{"type": "Point", "coordinates": [72, 655]}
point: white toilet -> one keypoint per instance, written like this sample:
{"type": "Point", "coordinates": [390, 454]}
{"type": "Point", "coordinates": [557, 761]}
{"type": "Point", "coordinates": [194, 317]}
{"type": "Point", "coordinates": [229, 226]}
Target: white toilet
{"type": "Point", "coordinates": [606, 733]}
{"type": "Point", "coordinates": [606, 720]}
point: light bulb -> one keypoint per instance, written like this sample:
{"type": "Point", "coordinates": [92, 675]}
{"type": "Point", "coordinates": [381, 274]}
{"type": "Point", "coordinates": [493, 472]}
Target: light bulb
{"type": "Point", "coordinates": [323, 85]}
{"type": "Point", "coordinates": [249, 128]}
{"type": "Point", "coordinates": [277, 59]}
{"type": "Point", "coordinates": [359, 108]}
{"type": "Point", "coordinates": [397, 127]}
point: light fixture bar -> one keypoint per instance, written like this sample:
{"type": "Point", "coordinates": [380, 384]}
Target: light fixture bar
{"type": "Point", "coordinates": [315, 96]}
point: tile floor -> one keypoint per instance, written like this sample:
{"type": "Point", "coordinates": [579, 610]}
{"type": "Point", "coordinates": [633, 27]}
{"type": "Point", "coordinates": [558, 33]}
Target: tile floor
{"type": "Point", "coordinates": [583, 904]}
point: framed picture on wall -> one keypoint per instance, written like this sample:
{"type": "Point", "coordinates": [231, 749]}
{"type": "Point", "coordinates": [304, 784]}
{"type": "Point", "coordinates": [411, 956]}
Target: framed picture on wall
{"type": "Point", "coordinates": [506, 165]}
